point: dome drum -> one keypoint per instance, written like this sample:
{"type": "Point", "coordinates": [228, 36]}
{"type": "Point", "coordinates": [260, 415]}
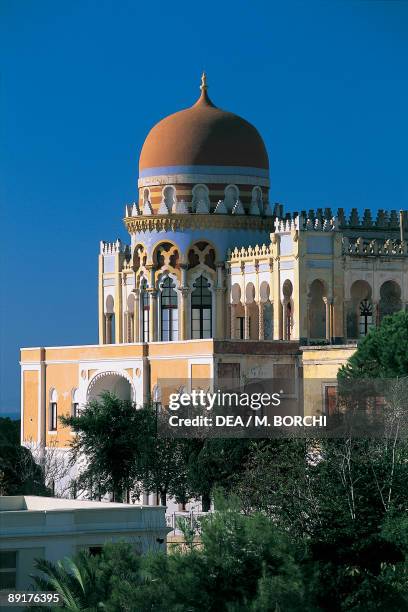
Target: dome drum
{"type": "Point", "coordinates": [202, 197]}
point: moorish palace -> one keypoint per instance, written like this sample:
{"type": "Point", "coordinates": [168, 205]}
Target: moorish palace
{"type": "Point", "coordinates": [218, 283]}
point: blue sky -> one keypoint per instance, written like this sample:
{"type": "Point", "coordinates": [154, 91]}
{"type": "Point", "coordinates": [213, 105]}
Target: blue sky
{"type": "Point", "coordinates": [83, 81]}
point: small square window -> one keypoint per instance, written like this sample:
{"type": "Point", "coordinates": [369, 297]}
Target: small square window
{"type": "Point", "coordinates": [8, 569]}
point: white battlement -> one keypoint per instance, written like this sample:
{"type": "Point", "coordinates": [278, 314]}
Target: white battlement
{"type": "Point", "coordinates": [375, 247]}
{"type": "Point", "coordinates": [256, 251]}
{"type": "Point", "coordinates": [110, 248]}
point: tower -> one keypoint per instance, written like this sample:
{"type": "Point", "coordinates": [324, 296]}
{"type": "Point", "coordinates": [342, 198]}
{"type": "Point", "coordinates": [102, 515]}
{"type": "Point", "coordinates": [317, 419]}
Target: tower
{"type": "Point", "coordinates": [203, 188]}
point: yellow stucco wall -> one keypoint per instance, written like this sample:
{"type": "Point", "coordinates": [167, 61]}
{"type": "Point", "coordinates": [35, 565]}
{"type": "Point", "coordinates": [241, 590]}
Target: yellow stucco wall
{"type": "Point", "coordinates": [200, 370]}
{"type": "Point", "coordinates": [63, 378]}
{"type": "Point", "coordinates": [30, 394]}
{"type": "Point", "coordinates": [174, 361]}
{"type": "Point", "coordinates": [320, 367]}
{"type": "Point", "coordinates": [174, 349]}
{"type": "Point", "coordinates": [172, 369]}
{"type": "Point", "coordinates": [325, 361]}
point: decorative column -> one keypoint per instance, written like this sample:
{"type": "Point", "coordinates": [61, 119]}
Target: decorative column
{"type": "Point", "coordinates": [220, 327]}
{"type": "Point", "coordinates": [332, 321]}
{"type": "Point", "coordinates": [277, 319]}
{"type": "Point", "coordinates": [308, 317]}
{"type": "Point", "coordinates": [232, 308]}
{"type": "Point", "coordinates": [328, 301]}
{"type": "Point", "coordinates": [246, 322]}
{"type": "Point", "coordinates": [108, 328]}
{"type": "Point", "coordinates": [284, 320]}
{"type": "Point", "coordinates": [153, 331]}
{"type": "Point", "coordinates": [136, 316]}
{"type": "Point", "coordinates": [261, 325]}
{"type": "Point", "coordinates": [184, 332]}
{"type": "Point", "coordinates": [126, 318]}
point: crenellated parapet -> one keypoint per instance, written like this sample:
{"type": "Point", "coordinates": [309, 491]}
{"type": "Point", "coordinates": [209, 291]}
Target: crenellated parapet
{"type": "Point", "coordinates": [384, 220]}
{"type": "Point", "coordinates": [257, 251]}
{"type": "Point", "coordinates": [326, 220]}
{"type": "Point", "coordinates": [376, 247]}
{"type": "Point", "coordinates": [111, 248]}
{"type": "Point", "coordinates": [322, 220]}
{"type": "Point", "coordinates": [132, 210]}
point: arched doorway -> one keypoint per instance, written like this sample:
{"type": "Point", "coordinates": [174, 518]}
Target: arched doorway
{"type": "Point", "coordinates": [114, 382]}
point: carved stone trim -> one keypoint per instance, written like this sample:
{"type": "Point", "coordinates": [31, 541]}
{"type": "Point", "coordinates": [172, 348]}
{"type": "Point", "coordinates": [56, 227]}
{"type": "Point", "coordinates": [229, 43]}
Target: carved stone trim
{"type": "Point", "coordinates": [174, 222]}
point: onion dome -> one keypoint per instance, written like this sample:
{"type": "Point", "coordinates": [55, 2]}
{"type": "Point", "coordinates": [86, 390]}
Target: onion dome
{"type": "Point", "coordinates": [203, 140]}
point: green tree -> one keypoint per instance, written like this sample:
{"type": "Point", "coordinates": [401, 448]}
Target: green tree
{"type": "Point", "coordinates": [383, 353]}
{"type": "Point", "coordinates": [214, 463]}
{"type": "Point", "coordinates": [109, 433]}
{"type": "Point", "coordinates": [90, 583]}
{"type": "Point", "coordinates": [124, 452]}
{"type": "Point", "coordinates": [334, 498]}
{"type": "Point", "coordinates": [239, 559]}
{"type": "Point", "coordinates": [243, 563]}
{"type": "Point", "coordinates": [19, 473]}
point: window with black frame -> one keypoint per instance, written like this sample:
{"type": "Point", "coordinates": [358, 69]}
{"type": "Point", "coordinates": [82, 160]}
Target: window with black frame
{"type": "Point", "coordinates": [201, 309]}
{"type": "Point", "coordinates": [240, 327]}
{"type": "Point", "coordinates": [169, 311]}
{"type": "Point", "coordinates": [54, 416]}
{"type": "Point", "coordinates": [366, 317]}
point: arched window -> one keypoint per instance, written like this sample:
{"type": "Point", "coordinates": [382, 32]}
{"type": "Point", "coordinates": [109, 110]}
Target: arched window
{"type": "Point", "coordinates": [168, 200]}
{"type": "Point", "coordinates": [201, 200]}
{"type": "Point", "coordinates": [231, 196]}
{"type": "Point", "coordinates": [360, 311]}
{"type": "Point", "coordinates": [201, 309]}
{"type": "Point", "coordinates": [169, 311]}
{"type": "Point", "coordinates": [145, 307]}
{"type": "Point", "coordinates": [390, 298]}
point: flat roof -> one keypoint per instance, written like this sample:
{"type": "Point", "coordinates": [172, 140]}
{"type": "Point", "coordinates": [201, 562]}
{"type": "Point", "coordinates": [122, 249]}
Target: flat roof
{"type": "Point", "coordinates": [12, 503]}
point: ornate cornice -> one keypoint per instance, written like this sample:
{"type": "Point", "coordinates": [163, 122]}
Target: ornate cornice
{"type": "Point", "coordinates": [172, 222]}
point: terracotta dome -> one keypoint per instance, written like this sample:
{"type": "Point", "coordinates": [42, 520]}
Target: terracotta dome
{"type": "Point", "coordinates": [203, 135]}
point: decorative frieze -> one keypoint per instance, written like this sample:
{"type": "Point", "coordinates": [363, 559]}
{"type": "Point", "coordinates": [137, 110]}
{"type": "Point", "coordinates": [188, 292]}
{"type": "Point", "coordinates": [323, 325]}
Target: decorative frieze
{"type": "Point", "coordinates": [174, 222]}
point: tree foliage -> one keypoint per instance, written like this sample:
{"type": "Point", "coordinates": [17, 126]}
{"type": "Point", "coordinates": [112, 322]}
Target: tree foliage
{"type": "Point", "coordinates": [19, 473]}
{"type": "Point", "coordinates": [383, 353]}
{"type": "Point", "coordinates": [124, 453]}
{"type": "Point", "coordinates": [321, 523]}
{"type": "Point", "coordinates": [90, 583]}
{"type": "Point", "coordinates": [243, 563]}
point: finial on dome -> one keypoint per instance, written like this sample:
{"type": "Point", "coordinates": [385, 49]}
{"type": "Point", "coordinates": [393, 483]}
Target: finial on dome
{"type": "Point", "coordinates": [204, 100]}
{"type": "Point", "coordinates": [204, 85]}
